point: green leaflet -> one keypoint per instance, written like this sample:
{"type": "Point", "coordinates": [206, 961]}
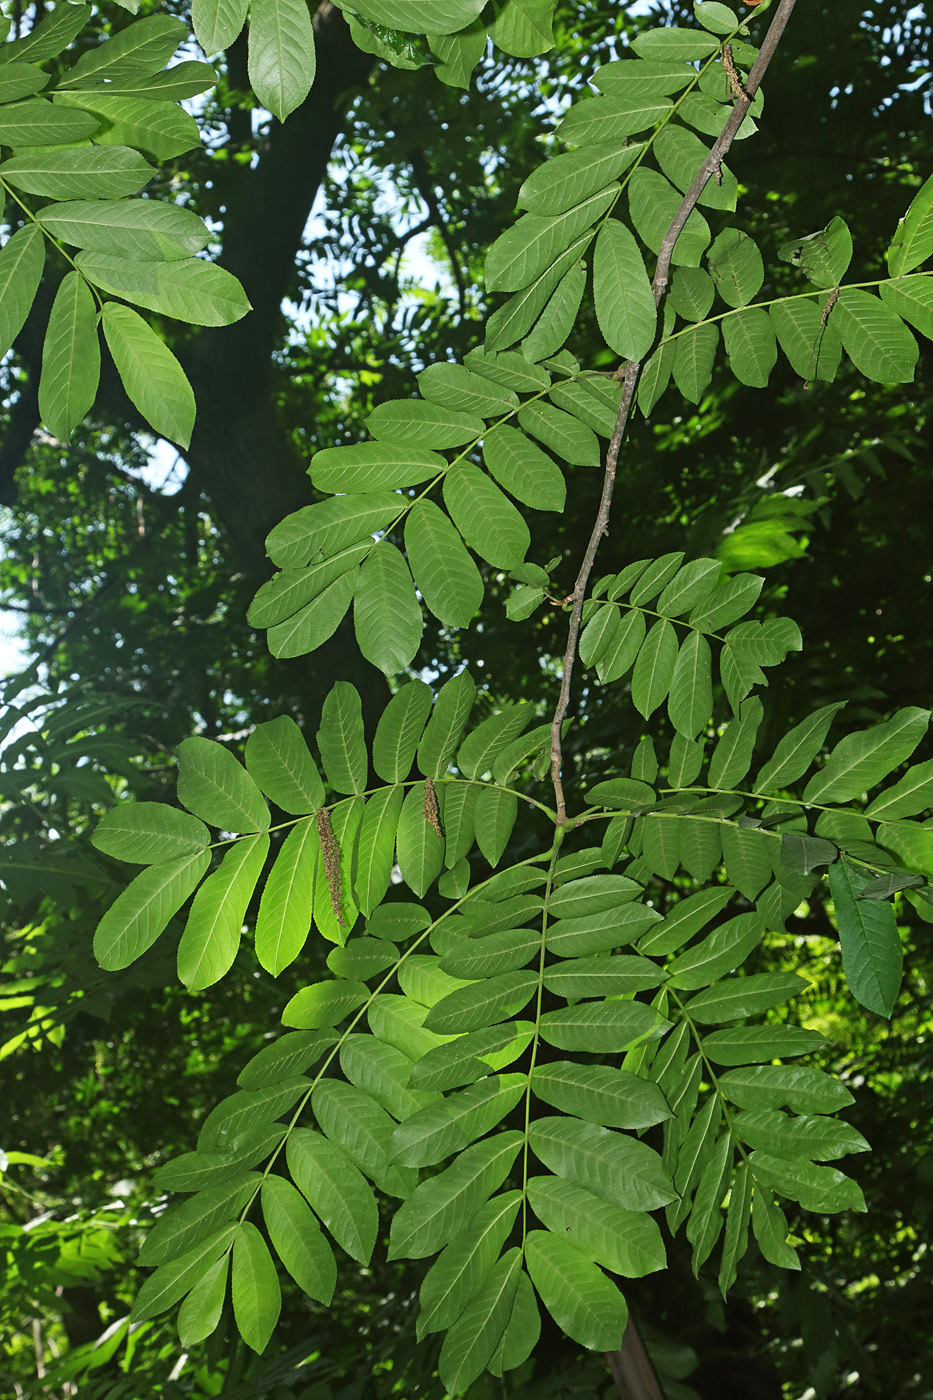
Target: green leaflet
{"type": "Point", "coordinates": [912, 794]}
{"type": "Point", "coordinates": [375, 847]}
{"type": "Point", "coordinates": [421, 16]}
{"type": "Point", "coordinates": [492, 953]}
{"type": "Point", "coordinates": [200, 1313]}
{"type": "Point", "coordinates": [822, 1189]}
{"type": "Point", "coordinates": [485, 517]}
{"type": "Point", "coordinates": [796, 751]}
{"type": "Point", "coordinates": [627, 1242]}
{"type": "Point", "coordinates": [750, 345]}
{"type": "Point", "coordinates": [214, 786]}
{"type": "Point", "coordinates": [370, 466]}
{"type": "Point", "coordinates": [823, 256]}
{"type": "Point", "coordinates": [416, 420]}
{"type": "Point", "coordinates": [189, 289]}
{"type": "Point", "coordinates": [481, 1004]}
{"type": "Point", "coordinates": [653, 202]}
{"type": "Point", "coordinates": [399, 731]}
{"type": "Point", "coordinates": [594, 894]}
{"type": "Point", "coordinates": [523, 27]}
{"type": "Point", "coordinates": [736, 997]}
{"type": "Point", "coordinates": [443, 570]}
{"type": "Point", "coordinates": [315, 533]}
{"type": "Point", "coordinates": [732, 756]}
{"type": "Point", "coordinates": [70, 357]}
{"type": "Point", "coordinates": [336, 1190]}
{"type": "Point", "coordinates": [341, 741]}
{"type": "Point", "coordinates": [386, 611]}
{"type": "Point", "coordinates": [692, 293]}
{"type": "Point", "coordinates": [172, 1281]}
{"type": "Point", "coordinates": [861, 760]}
{"type": "Point", "coordinates": [474, 1337]}
{"type": "Point", "coordinates": [440, 1207]}
{"type": "Point", "coordinates": [143, 47]}
{"type": "Point", "coordinates": [736, 267]}
{"type": "Point", "coordinates": [674, 45]}
{"type": "Point", "coordinates": [523, 469]}
{"type": "Point", "coordinates": [577, 1294]}
{"type": "Point", "coordinates": [872, 958]}
{"type": "Point", "coordinates": [572, 441]}
{"type": "Point", "coordinates": [722, 951]}
{"type": "Point", "coordinates": [737, 1218]}
{"type": "Point", "coordinates": [211, 938]}
{"type": "Point", "coordinates": [598, 976]}
{"type": "Point", "coordinates": [812, 347]}
{"type": "Point", "coordinates": [601, 119]}
{"type": "Point", "coordinates": [284, 918]}
{"type": "Point", "coordinates": [691, 688]}
{"type": "Point", "coordinates": [654, 668]}
{"type": "Point", "coordinates": [613, 1098]}
{"type": "Point", "coordinates": [159, 128]}
{"type": "Point", "coordinates": [83, 173]}
{"type": "Point", "coordinates": [558, 317]}
{"type": "Point", "coordinates": [22, 259]}
{"type": "Point", "coordinates": [217, 22]}
{"type": "Point", "coordinates": [146, 833]}
{"type": "Point", "coordinates": [141, 912]}
{"type": "Point", "coordinates": [694, 358]}
{"type": "Point", "coordinates": [569, 179]}
{"type": "Point", "coordinates": [625, 306]}
{"type": "Point", "coordinates": [454, 386]}
{"type": "Point", "coordinates": [801, 1088]}
{"type": "Point", "coordinates": [235, 1119]}
{"type": "Point", "coordinates": [290, 1054]}
{"type": "Point", "coordinates": [680, 155]}
{"type": "Point", "coordinates": [350, 1117]}
{"type": "Point", "coordinates": [382, 1072]}
{"type": "Point", "coordinates": [286, 594]}
{"type": "Point", "coordinates": [458, 54]}
{"type": "Point", "coordinates": [446, 726]}
{"type": "Point", "coordinates": [784, 1136]}
{"type": "Point", "coordinates": [297, 1240]}
{"type": "Point", "coordinates": [55, 31]}
{"type": "Point", "coordinates": [478, 750]}
{"type": "Point", "coordinates": [526, 250]}
{"type": "Point", "coordinates": [874, 337]}
{"type": "Point", "coordinates": [618, 1169]}
{"type": "Point", "coordinates": [152, 377]}
{"type": "Point", "coordinates": [281, 61]}
{"type": "Point", "coordinates": [770, 1229]}
{"type": "Point", "coordinates": [464, 1264]}
{"type": "Point", "coordinates": [277, 758]}
{"type": "Point", "coordinates": [39, 123]}
{"type": "Point", "coordinates": [257, 1299]}
{"type": "Point", "coordinates": [598, 933]}
{"type": "Point", "coordinates": [187, 1224]}
{"type": "Point", "coordinates": [511, 321]}
{"type": "Point", "coordinates": [912, 299]}
{"type": "Point", "coordinates": [420, 847]}
{"type": "Point", "coordinates": [748, 1045]}
{"type": "Point", "coordinates": [600, 1027]}
{"type": "Point", "coordinates": [913, 241]}
{"type": "Point", "coordinates": [439, 1129]}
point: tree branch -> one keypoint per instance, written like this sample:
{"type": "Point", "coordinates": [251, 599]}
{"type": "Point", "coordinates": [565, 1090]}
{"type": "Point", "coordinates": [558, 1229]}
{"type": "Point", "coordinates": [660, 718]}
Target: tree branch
{"type": "Point", "coordinates": [630, 372]}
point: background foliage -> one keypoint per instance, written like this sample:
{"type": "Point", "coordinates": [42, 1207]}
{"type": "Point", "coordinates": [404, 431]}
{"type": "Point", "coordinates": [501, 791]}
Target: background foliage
{"type": "Point", "coordinates": [135, 596]}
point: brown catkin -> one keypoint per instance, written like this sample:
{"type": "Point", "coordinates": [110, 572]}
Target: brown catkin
{"type": "Point", "coordinates": [732, 73]}
{"type": "Point", "coordinates": [430, 807]}
{"type": "Point", "coordinates": [331, 853]}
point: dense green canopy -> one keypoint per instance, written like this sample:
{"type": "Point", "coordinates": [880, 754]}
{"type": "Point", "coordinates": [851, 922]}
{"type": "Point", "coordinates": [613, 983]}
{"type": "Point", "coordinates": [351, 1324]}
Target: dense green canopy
{"type": "Point", "coordinates": [132, 576]}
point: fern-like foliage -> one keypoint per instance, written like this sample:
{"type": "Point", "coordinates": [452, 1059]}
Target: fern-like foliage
{"type": "Point", "coordinates": [531, 1064]}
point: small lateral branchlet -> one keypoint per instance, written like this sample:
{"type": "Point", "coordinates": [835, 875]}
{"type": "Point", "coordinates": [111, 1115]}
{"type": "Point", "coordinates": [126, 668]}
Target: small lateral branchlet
{"type": "Point", "coordinates": [331, 853]}
{"type": "Point", "coordinates": [431, 814]}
